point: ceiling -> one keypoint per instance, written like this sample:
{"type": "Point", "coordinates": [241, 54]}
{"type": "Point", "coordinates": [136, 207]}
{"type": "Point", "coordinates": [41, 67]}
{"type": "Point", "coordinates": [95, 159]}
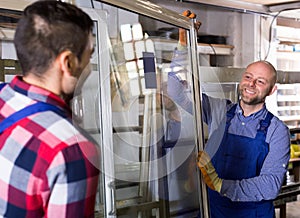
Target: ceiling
{"type": "Point", "coordinates": [270, 2]}
{"type": "Point", "coordinates": [258, 6]}
{"type": "Point", "coordinates": [280, 5]}
{"type": "Point", "coordinates": [8, 18]}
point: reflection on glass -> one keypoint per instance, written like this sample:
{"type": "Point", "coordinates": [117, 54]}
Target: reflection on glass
{"type": "Point", "coordinates": [153, 142]}
{"type": "Point", "coordinates": [153, 136]}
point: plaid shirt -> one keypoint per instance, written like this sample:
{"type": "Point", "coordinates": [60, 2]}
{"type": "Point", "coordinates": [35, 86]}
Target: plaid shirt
{"type": "Point", "coordinates": [47, 167]}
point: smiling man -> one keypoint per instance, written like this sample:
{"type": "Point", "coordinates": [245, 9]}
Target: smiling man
{"type": "Point", "coordinates": [245, 159]}
{"type": "Point", "coordinates": [246, 167]}
{"type": "Point", "coordinates": [256, 84]}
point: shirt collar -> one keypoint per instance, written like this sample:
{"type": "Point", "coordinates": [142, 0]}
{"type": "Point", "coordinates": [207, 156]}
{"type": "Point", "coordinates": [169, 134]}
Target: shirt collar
{"type": "Point", "coordinates": [261, 113]}
{"type": "Point", "coordinates": [37, 93]}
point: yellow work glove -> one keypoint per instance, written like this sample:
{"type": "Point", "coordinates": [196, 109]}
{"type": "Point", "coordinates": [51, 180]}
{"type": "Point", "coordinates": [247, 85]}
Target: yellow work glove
{"type": "Point", "coordinates": [208, 171]}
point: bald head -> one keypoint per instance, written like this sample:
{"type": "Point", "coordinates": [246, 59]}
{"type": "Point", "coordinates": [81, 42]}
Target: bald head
{"type": "Point", "coordinates": [267, 67]}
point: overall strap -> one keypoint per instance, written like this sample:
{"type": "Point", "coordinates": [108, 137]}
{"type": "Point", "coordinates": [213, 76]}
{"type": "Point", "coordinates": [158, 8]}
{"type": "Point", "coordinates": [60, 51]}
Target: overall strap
{"type": "Point", "coordinates": [27, 111]}
{"type": "Point", "coordinates": [2, 85]}
{"type": "Point", "coordinates": [264, 124]}
{"type": "Point", "coordinates": [230, 114]}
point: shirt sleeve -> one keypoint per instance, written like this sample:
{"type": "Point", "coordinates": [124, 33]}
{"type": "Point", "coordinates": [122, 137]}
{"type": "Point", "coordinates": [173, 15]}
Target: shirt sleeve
{"type": "Point", "coordinates": [217, 108]}
{"type": "Point", "coordinates": [176, 88]}
{"type": "Point", "coordinates": [267, 185]}
{"type": "Point", "coordinates": [73, 179]}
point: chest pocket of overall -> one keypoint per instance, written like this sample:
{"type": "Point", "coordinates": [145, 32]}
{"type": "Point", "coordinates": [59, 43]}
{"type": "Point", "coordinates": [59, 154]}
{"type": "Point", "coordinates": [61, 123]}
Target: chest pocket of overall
{"type": "Point", "coordinates": [241, 157]}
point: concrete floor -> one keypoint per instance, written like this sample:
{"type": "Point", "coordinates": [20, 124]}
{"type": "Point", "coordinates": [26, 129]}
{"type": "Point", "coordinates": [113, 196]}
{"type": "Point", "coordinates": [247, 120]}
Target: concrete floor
{"type": "Point", "coordinates": [292, 209]}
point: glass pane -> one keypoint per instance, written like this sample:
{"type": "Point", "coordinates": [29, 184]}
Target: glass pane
{"type": "Point", "coordinates": [86, 107]}
{"type": "Point", "coordinates": [153, 134]}
{"type": "Point", "coordinates": [145, 131]}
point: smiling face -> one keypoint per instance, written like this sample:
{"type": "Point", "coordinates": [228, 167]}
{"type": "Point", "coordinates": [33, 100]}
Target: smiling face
{"type": "Point", "coordinates": [258, 81]}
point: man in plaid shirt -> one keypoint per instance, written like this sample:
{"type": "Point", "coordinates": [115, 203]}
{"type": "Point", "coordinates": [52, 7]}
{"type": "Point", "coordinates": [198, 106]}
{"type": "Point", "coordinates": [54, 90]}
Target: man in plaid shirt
{"type": "Point", "coordinates": [48, 167]}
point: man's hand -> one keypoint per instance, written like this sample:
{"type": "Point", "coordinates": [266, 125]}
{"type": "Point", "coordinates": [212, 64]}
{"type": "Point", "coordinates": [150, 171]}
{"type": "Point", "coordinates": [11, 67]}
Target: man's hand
{"type": "Point", "coordinates": [182, 32]}
{"type": "Point", "coordinates": [208, 171]}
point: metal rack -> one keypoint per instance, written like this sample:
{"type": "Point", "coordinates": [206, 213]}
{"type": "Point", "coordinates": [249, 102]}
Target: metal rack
{"type": "Point", "coordinates": [285, 103]}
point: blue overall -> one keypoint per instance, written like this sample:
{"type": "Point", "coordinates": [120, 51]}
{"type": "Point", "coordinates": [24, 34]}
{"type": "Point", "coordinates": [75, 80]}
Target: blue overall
{"type": "Point", "coordinates": [27, 111]}
{"type": "Point", "coordinates": [240, 157]}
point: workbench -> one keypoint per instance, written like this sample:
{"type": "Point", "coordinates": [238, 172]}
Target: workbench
{"type": "Point", "coordinates": [289, 191]}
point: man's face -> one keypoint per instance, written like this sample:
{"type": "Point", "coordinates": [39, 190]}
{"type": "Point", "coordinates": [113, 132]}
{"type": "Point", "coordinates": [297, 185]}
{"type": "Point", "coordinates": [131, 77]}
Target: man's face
{"type": "Point", "coordinates": [256, 84]}
{"type": "Point", "coordinates": [85, 59]}
{"type": "Point", "coordinates": [82, 70]}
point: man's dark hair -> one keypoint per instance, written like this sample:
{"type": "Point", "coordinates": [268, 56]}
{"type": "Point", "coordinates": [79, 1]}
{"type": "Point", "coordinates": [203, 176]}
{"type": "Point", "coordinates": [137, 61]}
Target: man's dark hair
{"type": "Point", "coordinates": [48, 28]}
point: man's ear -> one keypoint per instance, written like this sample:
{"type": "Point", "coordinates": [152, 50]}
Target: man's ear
{"type": "Point", "coordinates": [68, 62]}
{"type": "Point", "coordinates": [273, 90]}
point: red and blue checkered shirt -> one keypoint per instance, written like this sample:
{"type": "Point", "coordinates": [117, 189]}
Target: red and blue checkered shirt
{"type": "Point", "coordinates": [48, 167]}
